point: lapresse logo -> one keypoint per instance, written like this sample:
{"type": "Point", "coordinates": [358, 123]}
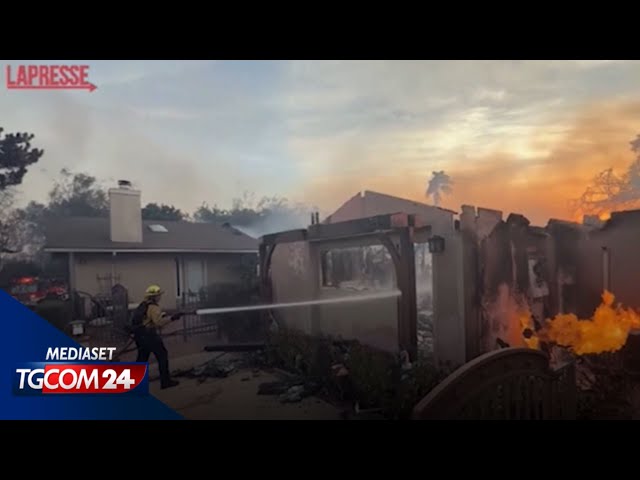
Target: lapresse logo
{"type": "Point", "coordinates": [60, 375]}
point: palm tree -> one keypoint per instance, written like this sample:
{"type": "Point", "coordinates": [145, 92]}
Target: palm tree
{"type": "Point", "coordinates": [439, 185]}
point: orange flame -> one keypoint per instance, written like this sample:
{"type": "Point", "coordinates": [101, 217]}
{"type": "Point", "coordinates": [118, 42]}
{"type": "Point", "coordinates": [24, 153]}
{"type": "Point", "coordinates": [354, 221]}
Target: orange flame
{"type": "Point", "coordinates": [531, 340]}
{"type": "Point", "coordinates": [606, 331]}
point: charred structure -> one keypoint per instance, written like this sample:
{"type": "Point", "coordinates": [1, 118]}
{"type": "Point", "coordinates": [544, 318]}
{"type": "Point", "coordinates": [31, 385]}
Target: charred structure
{"type": "Point", "coordinates": [471, 282]}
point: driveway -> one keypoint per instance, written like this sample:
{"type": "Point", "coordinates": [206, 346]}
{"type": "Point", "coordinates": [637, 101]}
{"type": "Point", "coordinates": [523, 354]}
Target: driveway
{"type": "Point", "coordinates": [234, 397]}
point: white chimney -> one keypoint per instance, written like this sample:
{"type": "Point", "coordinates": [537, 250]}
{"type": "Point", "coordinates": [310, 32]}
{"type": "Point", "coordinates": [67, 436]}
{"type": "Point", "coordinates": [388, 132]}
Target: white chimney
{"type": "Point", "coordinates": [125, 213]}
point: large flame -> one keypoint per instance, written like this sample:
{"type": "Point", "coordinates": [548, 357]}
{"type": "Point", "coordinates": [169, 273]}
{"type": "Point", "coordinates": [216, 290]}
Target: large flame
{"type": "Point", "coordinates": [606, 331]}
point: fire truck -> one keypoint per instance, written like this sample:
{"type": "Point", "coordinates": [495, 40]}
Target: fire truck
{"type": "Point", "coordinates": [32, 290]}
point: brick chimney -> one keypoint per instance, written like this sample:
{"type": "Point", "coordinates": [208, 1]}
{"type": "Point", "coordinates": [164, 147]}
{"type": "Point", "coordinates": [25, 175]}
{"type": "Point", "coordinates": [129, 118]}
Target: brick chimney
{"type": "Point", "coordinates": [125, 214]}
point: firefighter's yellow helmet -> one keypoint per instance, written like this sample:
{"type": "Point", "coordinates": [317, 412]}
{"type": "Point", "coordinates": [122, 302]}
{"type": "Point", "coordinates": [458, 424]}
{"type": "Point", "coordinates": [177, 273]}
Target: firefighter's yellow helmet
{"type": "Point", "coordinates": [153, 291]}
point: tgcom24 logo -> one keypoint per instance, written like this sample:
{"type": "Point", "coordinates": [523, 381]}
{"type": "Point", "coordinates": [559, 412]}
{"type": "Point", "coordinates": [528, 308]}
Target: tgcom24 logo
{"type": "Point", "coordinates": [80, 371]}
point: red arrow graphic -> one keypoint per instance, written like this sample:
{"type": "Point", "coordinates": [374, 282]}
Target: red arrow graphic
{"type": "Point", "coordinates": [87, 86]}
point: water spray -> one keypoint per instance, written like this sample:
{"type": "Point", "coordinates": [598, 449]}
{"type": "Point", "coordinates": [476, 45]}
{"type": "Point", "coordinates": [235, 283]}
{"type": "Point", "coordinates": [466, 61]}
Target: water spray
{"type": "Point", "coordinates": [324, 301]}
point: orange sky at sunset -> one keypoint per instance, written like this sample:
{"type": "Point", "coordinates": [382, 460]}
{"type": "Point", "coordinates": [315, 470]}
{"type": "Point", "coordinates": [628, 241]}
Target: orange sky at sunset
{"type": "Point", "coordinates": [521, 136]}
{"type": "Point", "coordinates": [596, 138]}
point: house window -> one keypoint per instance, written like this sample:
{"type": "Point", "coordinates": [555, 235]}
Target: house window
{"type": "Point", "coordinates": [178, 290]}
{"type": "Point", "coordinates": [359, 268]}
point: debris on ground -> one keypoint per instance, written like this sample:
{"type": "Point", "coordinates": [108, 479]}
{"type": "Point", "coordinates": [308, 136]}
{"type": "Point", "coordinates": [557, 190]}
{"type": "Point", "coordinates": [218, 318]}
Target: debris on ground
{"type": "Point", "coordinates": [214, 368]}
{"type": "Point", "coordinates": [290, 391]}
{"type": "Point", "coordinates": [293, 395]}
{"type": "Point", "coordinates": [276, 388]}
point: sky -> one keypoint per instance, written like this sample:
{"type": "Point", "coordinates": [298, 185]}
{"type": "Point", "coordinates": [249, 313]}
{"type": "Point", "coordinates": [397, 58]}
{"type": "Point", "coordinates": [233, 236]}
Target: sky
{"type": "Point", "coordinates": [518, 136]}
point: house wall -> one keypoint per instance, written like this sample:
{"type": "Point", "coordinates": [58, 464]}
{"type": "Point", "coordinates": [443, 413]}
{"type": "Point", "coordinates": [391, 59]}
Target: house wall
{"type": "Point", "coordinates": [621, 240]}
{"type": "Point", "coordinates": [486, 261]}
{"type": "Point", "coordinates": [223, 269]}
{"type": "Point", "coordinates": [293, 280]}
{"type": "Point", "coordinates": [449, 332]}
{"type": "Point", "coordinates": [373, 322]}
{"type": "Point", "coordinates": [500, 258]}
{"type": "Point", "coordinates": [296, 277]}
{"type": "Point", "coordinates": [589, 283]}
{"type": "Point", "coordinates": [578, 272]}
{"type": "Point", "coordinates": [136, 271]}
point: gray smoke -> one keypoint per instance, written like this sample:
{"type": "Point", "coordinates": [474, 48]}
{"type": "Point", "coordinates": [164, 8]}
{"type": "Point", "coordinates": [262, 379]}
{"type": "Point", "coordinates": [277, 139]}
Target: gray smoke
{"type": "Point", "coordinates": [278, 220]}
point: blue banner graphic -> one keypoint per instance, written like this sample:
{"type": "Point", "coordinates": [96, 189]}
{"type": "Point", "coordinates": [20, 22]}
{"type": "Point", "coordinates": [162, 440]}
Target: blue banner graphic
{"type": "Point", "coordinates": [24, 343]}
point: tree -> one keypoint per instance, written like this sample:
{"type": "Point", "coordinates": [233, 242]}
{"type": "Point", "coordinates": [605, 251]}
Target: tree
{"type": "Point", "coordinates": [609, 191]}
{"type": "Point", "coordinates": [16, 154]}
{"type": "Point", "coordinates": [22, 230]}
{"type": "Point", "coordinates": [162, 212]}
{"type": "Point", "coordinates": [440, 184]}
{"type": "Point", "coordinates": [207, 214]}
{"type": "Point", "coordinates": [6, 222]}
{"type": "Point", "coordinates": [77, 195]}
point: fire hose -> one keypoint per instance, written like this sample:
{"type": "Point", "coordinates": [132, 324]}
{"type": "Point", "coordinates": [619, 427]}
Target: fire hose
{"type": "Point", "coordinates": [220, 310]}
{"type": "Point", "coordinates": [127, 348]}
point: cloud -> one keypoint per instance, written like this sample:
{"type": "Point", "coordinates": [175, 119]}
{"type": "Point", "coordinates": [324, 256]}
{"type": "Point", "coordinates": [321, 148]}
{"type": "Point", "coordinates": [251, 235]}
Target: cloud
{"type": "Point", "coordinates": [317, 132]}
{"type": "Point", "coordinates": [164, 113]}
{"type": "Point", "coordinates": [540, 187]}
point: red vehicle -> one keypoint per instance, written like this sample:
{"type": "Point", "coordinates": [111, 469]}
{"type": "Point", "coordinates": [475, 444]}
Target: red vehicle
{"type": "Point", "coordinates": [31, 290]}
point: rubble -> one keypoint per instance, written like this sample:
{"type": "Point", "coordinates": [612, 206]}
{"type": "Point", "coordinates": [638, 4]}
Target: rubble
{"type": "Point", "coordinates": [293, 395]}
{"type": "Point", "coordinates": [289, 391]}
{"type": "Point", "coordinates": [213, 368]}
{"type": "Point", "coordinates": [273, 388]}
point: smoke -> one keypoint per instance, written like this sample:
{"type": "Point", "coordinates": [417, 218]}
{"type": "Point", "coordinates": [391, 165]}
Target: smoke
{"type": "Point", "coordinates": [562, 156]}
{"type": "Point", "coordinates": [278, 219]}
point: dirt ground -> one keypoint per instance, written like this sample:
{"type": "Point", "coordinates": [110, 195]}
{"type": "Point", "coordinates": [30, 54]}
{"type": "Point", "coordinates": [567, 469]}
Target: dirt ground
{"type": "Point", "coordinates": [234, 397]}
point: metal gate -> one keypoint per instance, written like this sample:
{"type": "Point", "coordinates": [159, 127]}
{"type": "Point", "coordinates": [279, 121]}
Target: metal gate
{"type": "Point", "coordinates": [506, 384]}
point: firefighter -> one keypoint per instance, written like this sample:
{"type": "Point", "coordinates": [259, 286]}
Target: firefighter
{"type": "Point", "coordinates": [148, 319]}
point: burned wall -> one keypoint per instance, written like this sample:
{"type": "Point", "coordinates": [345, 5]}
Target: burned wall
{"type": "Point", "coordinates": [449, 332]}
{"type": "Point", "coordinates": [575, 273]}
{"type": "Point", "coordinates": [304, 271]}
{"type": "Point", "coordinates": [292, 280]}
{"type": "Point", "coordinates": [581, 276]}
{"type": "Point", "coordinates": [505, 272]}
{"type": "Point", "coordinates": [504, 263]}
{"type": "Point", "coordinates": [620, 239]}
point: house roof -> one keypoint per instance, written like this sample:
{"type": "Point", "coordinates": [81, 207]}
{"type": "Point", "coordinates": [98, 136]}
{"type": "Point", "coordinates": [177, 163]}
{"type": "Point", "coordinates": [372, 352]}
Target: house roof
{"type": "Point", "coordinates": [93, 234]}
{"type": "Point", "coordinates": [371, 193]}
{"type": "Point", "coordinates": [368, 195]}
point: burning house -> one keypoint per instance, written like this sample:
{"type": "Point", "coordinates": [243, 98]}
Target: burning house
{"type": "Point", "coordinates": [483, 281]}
